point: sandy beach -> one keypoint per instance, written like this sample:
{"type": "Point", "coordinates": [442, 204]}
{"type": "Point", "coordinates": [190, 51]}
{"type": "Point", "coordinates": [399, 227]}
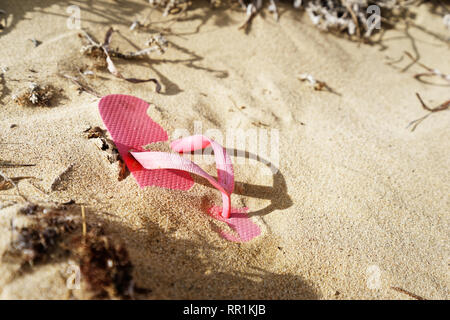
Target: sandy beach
{"type": "Point", "coordinates": [357, 208]}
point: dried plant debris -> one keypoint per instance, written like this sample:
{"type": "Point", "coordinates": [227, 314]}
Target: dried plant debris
{"type": "Point", "coordinates": [357, 18]}
{"type": "Point", "coordinates": [251, 9]}
{"type": "Point", "coordinates": [9, 183]}
{"type": "Point", "coordinates": [36, 95]}
{"type": "Point", "coordinates": [412, 295]}
{"type": "Point", "coordinates": [103, 54]}
{"type": "Point", "coordinates": [108, 145]}
{"type": "Point", "coordinates": [82, 86]}
{"type": "Point", "coordinates": [60, 234]}
{"type": "Point", "coordinates": [351, 16]}
{"type": "Point", "coordinates": [316, 84]}
{"type": "Point", "coordinates": [105, 266]}
{"type": "Point", "coordinates": [103, 143]}
{"type": "Point", "coordinates": [94, 132]}
{"type": "Point", "coordinates": [36, 42]}
{"type": "Point", "coordinates": [430, 71]}
{"type": "Point", "coordinates": [41, 240]}
{"type": "Point", "coordinates": [2, 17]}
{"type": "Point", "coordinates": [443, 106]}
{"type": "Point", "coordinates": [172, 6]}
{"type": "Point", "coordinates": [8, 164]}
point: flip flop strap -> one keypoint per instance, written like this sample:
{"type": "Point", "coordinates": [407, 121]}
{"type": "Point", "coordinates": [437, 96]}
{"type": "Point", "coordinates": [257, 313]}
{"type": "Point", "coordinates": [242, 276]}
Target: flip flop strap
{"type": "Point", "coordinates": [163, 160]}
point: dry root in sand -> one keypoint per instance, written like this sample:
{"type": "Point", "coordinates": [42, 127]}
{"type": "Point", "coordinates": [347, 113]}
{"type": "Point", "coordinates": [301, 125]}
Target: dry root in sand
{"type": "Point", "coordinates": [36, 95]}
{"type": "Point", "coordinates": [60, 233]}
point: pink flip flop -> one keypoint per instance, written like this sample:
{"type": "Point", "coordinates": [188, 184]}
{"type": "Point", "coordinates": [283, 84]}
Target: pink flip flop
{"type": "Point", "coordinates": [131, 128]}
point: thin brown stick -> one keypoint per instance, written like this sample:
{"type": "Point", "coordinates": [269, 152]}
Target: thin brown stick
{"type": "Point", "coordinates": [412, 295]}
{"type": "Point", "coordinates": [431, 72]}
{"type": "Point", "coordinates": [7, 164]}
{"type": "Point", "coordinates": [443, 106]}
{"type": "Point", "coordinates": [109, 62]}
{"type": "Point", "coordinates": [354, 18]}
{"type": "Point", "coordinates": [16, 186]}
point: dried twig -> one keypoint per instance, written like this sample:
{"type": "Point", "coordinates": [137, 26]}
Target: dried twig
{"type": "Point", "coordinates": [443, 106]}
{"type": "Point", "coordinates": [81, 86]}
{"type": "Point", "coordinates": [431, 72]}
{"type": "Point", "coordinates": [7, 164]}
{"type": "Point", "coordinates": [252, 10]}
{"type": "Point", "coordinates": [108, 53]}
{"type": "Point", "coordinates": [412, 295]}
{"type": "Point", "coordinates": [9, 180]}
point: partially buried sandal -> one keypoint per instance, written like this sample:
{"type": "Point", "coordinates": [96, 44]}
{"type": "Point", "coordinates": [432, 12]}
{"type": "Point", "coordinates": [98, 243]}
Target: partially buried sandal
{"type": "Point", "coordinates": [131, 128]}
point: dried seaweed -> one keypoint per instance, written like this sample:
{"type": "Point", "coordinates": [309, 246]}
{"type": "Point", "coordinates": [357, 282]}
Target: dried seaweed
{"type": "Point", "coordinates": [357, 18]}
{"type": "Point", "coordinates": [53, 234]}
{"type": "Point", "coordinates": [40, 241]}
{"type": "Point", "coordinates": [334, 15]}
{"type": "Point", "coordinates": [443, 106]}
{"type": "Point", "coordinates": [105, 266]}
{"type": "Point", "coordinates": [103, 53]}
{"type": "Point", "coordinates": [36, 95]}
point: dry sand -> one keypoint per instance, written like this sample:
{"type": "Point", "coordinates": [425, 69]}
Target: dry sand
{"type": "Point", "coordinates": [360, 204]}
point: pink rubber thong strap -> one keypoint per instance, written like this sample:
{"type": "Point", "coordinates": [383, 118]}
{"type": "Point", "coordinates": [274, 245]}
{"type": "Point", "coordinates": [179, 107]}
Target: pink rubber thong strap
{"type": "Point", "coordinates": [163, 160]}
{"type": "Point", "coordinates": [224, 166]}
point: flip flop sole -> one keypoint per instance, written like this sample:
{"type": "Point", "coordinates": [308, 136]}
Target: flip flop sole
{"type": "Point", "coordinates": [130, 127]}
